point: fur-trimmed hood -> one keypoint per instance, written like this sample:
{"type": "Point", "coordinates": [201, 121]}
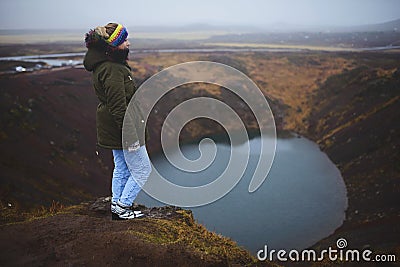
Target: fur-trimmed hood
{"type": "Point", "coordinates": [96, 53]}
{"type": "Point", "coordinates": [95, 40]}
{"type": "Point", "coordinates": [99, 51]}
{"type": "Point", "coordinates": [93, 58]}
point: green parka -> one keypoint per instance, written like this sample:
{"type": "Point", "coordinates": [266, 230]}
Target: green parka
{"type": "Point", "coordinates": [114, 88]}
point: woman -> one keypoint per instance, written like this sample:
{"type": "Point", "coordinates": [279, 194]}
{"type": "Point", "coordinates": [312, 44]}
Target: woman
{"type": "Point", "coordinates": [106, 58]}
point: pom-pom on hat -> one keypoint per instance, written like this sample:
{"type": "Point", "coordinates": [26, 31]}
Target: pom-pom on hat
{"type": "Point", "coordinates": [118, 36]}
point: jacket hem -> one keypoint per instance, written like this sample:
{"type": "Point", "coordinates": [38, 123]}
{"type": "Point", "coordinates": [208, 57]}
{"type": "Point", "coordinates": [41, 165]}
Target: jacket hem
{"type": "Point", "coordinates": [109, 147]}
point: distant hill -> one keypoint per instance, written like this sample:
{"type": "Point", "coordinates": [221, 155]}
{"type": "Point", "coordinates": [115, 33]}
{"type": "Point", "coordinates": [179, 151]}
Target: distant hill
{"type": "Point", "coordinates": [389, 26]}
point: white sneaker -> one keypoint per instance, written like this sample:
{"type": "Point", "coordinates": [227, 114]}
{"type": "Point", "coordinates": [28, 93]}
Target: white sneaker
{"type": "Point", "coordinates": [124, 213]}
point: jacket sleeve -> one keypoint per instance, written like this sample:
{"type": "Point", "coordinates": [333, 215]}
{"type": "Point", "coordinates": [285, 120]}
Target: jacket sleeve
{"type": "Point", "coordinates": [114, 90]}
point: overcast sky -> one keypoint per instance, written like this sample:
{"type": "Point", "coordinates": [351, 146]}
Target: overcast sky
{"type": "Point", "coordinates": [84, 14]}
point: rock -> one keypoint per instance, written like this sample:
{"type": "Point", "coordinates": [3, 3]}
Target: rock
{"type": "Point", "coordinates": [102, 206]}
{"type": "Point", "coordinates": [20, 69]}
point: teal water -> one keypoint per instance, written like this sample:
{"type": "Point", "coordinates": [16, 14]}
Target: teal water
{"type": "Point", "coordinates": [302, 200]}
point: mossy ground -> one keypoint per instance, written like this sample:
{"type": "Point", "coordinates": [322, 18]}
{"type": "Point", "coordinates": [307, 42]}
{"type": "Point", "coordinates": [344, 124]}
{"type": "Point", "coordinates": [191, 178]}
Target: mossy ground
{"type": "Point", "coordinates": [85, 235]}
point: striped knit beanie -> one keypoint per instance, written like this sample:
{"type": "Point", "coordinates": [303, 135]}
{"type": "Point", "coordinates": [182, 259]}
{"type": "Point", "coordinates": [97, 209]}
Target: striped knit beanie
{"type": "Point", "coordinates": [117, 37]}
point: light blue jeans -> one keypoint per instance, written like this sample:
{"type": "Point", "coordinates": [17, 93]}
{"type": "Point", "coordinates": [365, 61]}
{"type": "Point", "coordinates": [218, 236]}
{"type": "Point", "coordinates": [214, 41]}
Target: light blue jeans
{"type": "Point", "coordinates": [131, 170]}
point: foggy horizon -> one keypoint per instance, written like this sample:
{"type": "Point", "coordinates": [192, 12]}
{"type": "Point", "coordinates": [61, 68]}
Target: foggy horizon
{"type": "Point", "coordinates": [77, 15]}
